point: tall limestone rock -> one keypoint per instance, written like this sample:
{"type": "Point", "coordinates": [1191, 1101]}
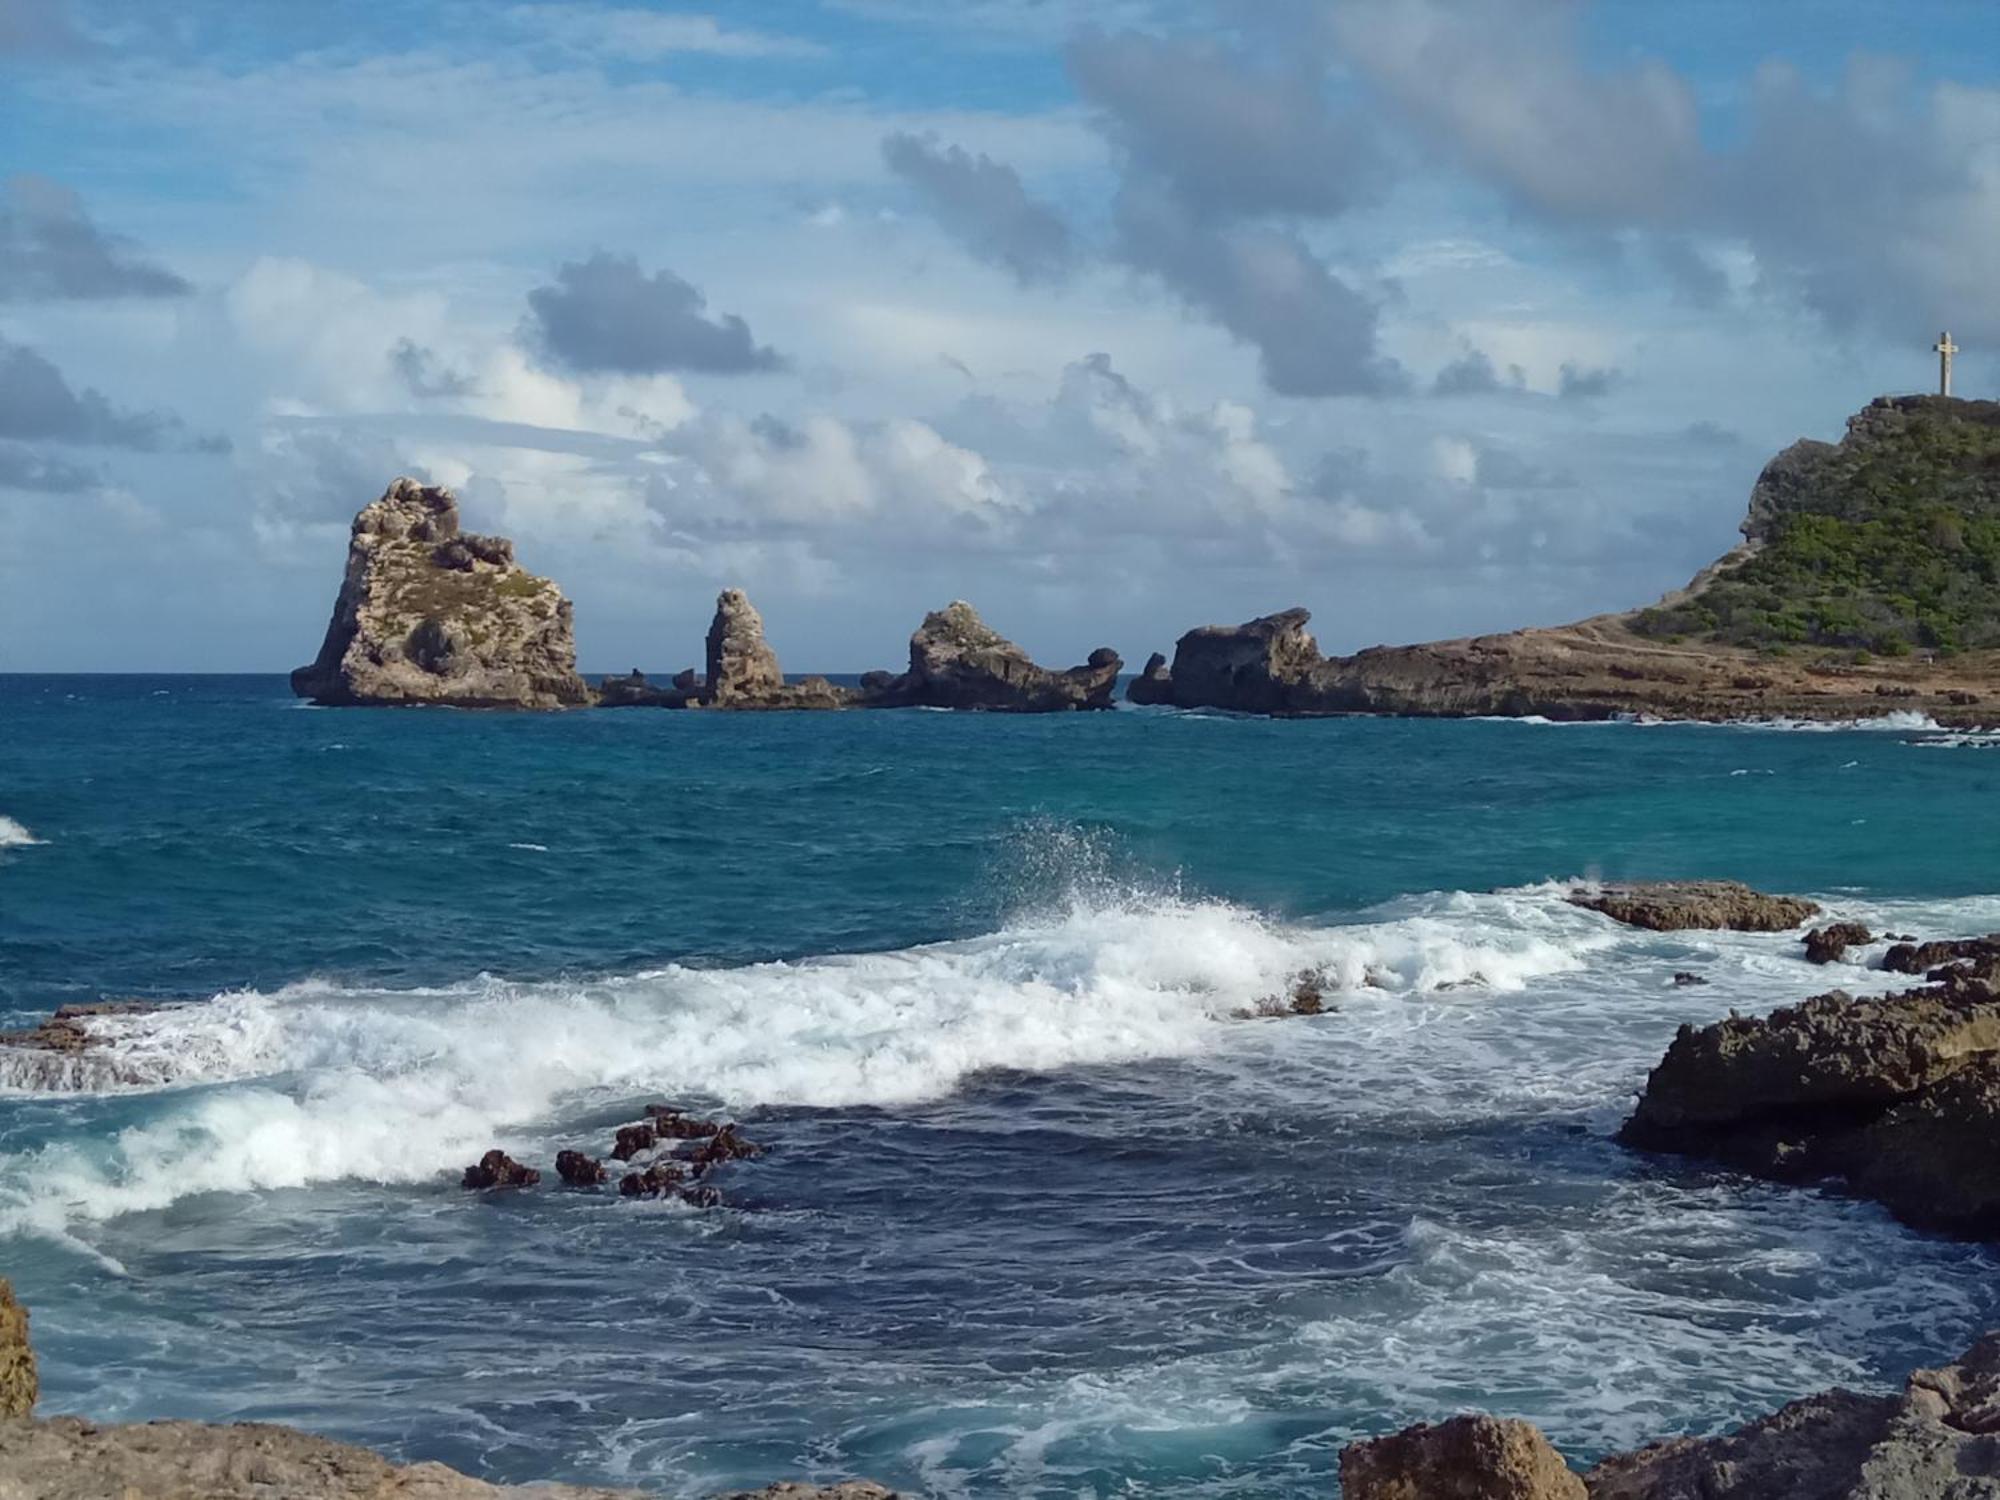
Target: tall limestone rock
{"type": "Point", "coordinates": [741, 663]}
{"type": "Point", "coordinates": [430, 614]}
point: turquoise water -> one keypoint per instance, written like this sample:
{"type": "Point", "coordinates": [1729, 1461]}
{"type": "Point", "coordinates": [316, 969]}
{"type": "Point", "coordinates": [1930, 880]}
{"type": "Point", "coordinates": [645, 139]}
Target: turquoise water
{"type": "Point", "coordinates": [1041, 1215]}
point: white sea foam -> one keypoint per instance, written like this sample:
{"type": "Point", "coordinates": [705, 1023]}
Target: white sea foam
{"type": "Point", "coordinates": [14, 835]}
{"type": "Point", "coordinates": [315, 1083]}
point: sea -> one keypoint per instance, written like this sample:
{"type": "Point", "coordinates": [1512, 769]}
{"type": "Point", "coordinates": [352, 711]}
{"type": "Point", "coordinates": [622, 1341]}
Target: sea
{"type": "Point", "coordinates": [1042, 1211]}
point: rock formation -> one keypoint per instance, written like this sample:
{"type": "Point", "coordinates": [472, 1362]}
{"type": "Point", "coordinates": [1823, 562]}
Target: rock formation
{"type": "Point", "coordinates": [1153, 685]}
{"type": "Point", "coordinates": [20, 1386]}
{"type": "Point", "coordinates": [1680, 905]}
{"type": "Point", "coordinates": [958, 661]}
{"type": "Point", "coordinates": [636, 692]}
{"type": "Point", "coordinates": [1813, 616]}
{"type": "Point", "coordinates": [1829, 944]}
{"type": "Point", "coordinates": [741, 664]}
{"type": "Point", "coordinates": [496, 1169]}
{"type": "Point", "coordinates": [429, 614]}
{"type": "Point", "coordinates": [1898, 1096]}
{"type": "Point", "coordinates": [1936, 1441]}
{"type": "Point", "coordinates": [1474, 1457]}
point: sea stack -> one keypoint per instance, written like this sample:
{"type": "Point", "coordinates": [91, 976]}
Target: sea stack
{"type": "Point", "coordinates": [431, 614]}
{"type": "Point", "coordinates": [958, 661]}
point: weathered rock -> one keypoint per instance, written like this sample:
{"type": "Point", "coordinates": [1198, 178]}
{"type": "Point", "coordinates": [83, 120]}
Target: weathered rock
{"type": "Point", "coordinates": [1810, 1450]}
{"type": "Point", "coordinates": [1677, 905]}
{"type": "Point", "coordinates": [726, 1145]}
{"type": "Point", "coordinates": [1154, 685]}
{"type": "Point", "coordinates": [1684, 978]}
{"type": "Point", "coordinates": [1933, 1159]}
{"type": "Point", "coordinates": [657, 1180]}
{"type": "Point", "coordinates": [670, 1123]}
{"type": "Point", "coordinates": [579, 1170]}
{"type": "Point", "coordinates": [633, 1139]}
{"type": "Point", "coordinates": [636, 692]}
{"type": "Point", "coordinates": [71, 1051]}
{"type": "Point", "coordinates": [1260, 666]}
{"type": "Point", "coordinates": [496, 1169]}
{"type": "Point", "coordinates": [66, 1458]}
{"type": "Point", "coordinates": [1466, 1458]}
{"type": "Point", "coordinates": [1829, 944]}
{"type": "Point", "coordinates": [20, 1385]}
{"type": "Point", "coordinates": [428, 614]}
{"type": "Point", "coordinates": [1910, 957]}
{"type": "Point", "coordinates": [957, 661]}
{"type": "Point", "coordinates": [741, 664]}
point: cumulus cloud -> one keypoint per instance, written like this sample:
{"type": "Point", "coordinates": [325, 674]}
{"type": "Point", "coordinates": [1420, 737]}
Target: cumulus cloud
{"type": "Point", "coordinates": [1474, 374]}
{"type": "Point", "coordinates": [982, 203]}
{"type": "Point", "coordinates": [604, 314]}
{"type": "Point", "coordinates": [1576, 382]}
{"type": "Point", "coordinates": [37, 403]}
{"type": "Point", "coordinates": [50, 249]}
{"type": "Point", "coordinates": [1315, 335]}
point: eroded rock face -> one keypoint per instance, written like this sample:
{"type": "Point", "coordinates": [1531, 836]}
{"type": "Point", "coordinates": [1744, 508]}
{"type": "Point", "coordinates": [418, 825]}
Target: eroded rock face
{"type": "Point", "coordinates": [1898, 1095]}
{"type": "Point", "coordinates": [496, 1169]}
{"type": "Point", "coordinates": [1678, 905]}
{"type": "Point", "coordinates": [1466, 1458]}
{"type": "Point", "coordinates": [20, 1385]}
{"type": "Point", "coordinates": [741, 663]}
{"type": "Point", "coordinates": [958, 661]}
{"type": "Point", "coordinates": [429, 614]}
{"type": "Point", "coordinates": [1261, 666]}
{"type": "Point", "coordinates": [1829, 944]}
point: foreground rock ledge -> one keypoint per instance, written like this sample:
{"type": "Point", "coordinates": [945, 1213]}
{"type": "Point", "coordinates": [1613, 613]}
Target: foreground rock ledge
{"type": "Point", "coordinates": [430, 614]}
{"type": "Point", "coordinates": [1939, 1440]}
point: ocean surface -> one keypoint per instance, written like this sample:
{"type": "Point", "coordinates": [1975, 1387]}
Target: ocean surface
{"type": "Point", "coordinates": [1041, 1215]}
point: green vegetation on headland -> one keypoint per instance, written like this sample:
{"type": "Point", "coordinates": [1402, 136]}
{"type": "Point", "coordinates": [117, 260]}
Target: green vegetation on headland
{"type": "Point", "coordinates": [1887, 542]}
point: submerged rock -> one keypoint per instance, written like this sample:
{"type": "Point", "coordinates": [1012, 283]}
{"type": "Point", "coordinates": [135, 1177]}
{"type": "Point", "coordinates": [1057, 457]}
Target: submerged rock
{"type": "Point", "coordinates": [670, 1123]}
{"type": "Point", "coordinates": [1829, 944]}
{"type": "Point", "coordinates": [657, 1180]}
{"type": "Point", "coordinates": [1466, 1458]}
{"type": "Point", "coordinates": [496, 1169]}
{"type": "Point", "coordinates": [958, 661]}
{"type": "Point", "coordinates": [724, 1146]}
{"type": "Point", "coordinates": [632, 1140]}
{"type": "Point", "coordinates": [20, 1385]}
{"type": "Point", "coordinates": [1678, 905]}
{"type": "Point", "coordinates": [852, 1489]}
{"type": "Point", "coordinates": [428, 614]}
{"type": "Point", "coordinates": [71, 1051]}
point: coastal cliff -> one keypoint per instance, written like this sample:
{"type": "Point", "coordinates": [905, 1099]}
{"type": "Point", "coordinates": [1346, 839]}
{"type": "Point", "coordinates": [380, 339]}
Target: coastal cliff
{"type": "Point", "coordinates": [1868, 581]}
{"type": "Point", "coordinates": [431, 614]}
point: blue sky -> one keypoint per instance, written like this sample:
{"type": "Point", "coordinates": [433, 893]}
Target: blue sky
{"type": "Point", "coordinates": [1114, 318]}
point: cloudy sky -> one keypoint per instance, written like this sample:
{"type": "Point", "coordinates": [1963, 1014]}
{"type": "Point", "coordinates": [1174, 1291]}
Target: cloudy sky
{"type": "Point", "coordinates": [1114, 317]}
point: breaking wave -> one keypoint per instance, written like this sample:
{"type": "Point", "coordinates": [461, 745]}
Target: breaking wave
{"type": "Point", "coordinates": [317, 1083]}
{"type": "Point", "coordinates": [14, 835]}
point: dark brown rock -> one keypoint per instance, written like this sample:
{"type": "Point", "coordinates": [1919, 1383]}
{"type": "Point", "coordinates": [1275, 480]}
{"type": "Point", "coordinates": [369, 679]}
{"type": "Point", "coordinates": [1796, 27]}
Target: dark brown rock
{"type": "Point", "coordinates": [636, 692]}
{"type": "Point", "coordinates": [632, 1139]}
{"type": "Point", "coordinates": [1260, 666]}
{"type": "Point", "coordinates": [852, 1489]}
{"type": "Point", "coordinates": [496, 1169]}
{"type": "Point", "coordinates": [1909, 957]}
{"type": "Point", "coordinates": [1810, 1450]}
{"type": "Point", "coordinates": [1683, 979]}
{"type": "Point", "coordinates": [428, 614]}
{"type": "Point", "coordinates": [1678, 905]}
{"type": "Point", "coordinates": [1829, 944]}
{"type": "Point", "coordinates": [726, 1145]}
{"type": "Point", "coordinates": [670, 1123]}
{"type": "Point", "coordinates": [1466, 1458]}
{"type": "Point", "coordinates": [578, 1170]}
{"type": "Point", "coordinates": [1934, 1158]}
{"type": "Point", "coordinates": [1154, 685]}
{"type": "Point", "coordinates": [656, 1181]}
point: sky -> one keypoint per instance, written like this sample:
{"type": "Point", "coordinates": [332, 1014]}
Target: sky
{"type": "Point", "coordinates": [1115, 318]}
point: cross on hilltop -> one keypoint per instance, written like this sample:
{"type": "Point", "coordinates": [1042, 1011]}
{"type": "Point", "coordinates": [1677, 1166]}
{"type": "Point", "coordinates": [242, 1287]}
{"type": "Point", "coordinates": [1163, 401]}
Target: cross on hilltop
{"type": "Point", "coordinates": [1945, 350]}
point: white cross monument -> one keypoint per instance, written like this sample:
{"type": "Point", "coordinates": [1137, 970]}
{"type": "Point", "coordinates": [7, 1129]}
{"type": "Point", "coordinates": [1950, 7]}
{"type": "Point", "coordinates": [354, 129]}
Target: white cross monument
{"type": "Point", "coordinates": [1945, 350]}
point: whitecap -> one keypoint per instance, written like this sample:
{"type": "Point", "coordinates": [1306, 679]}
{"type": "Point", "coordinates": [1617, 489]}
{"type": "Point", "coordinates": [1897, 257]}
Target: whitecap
{"type": "Point", "coordinates": [15, 835]}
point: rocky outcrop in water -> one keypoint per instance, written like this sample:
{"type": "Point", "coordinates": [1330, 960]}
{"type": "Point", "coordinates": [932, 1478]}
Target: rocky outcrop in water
{"type": "Point", "coordinates": [1938, 1440]}
{"type": "Point", "coordinates": [1829, 944]}
{"type": "Point", "coordinates": [430, 614]}
{"type": "Point", "coordinates": [958, 661]}
{"type": "Point", "coordinates": [1898, 1096]}
{"type": "Point", "coordinates": [635, 691]}
{"type": "Point", "coordinates": [1475, 1457]}
{"type": "Point", "coordinates": [1155, 684]}
{"type": "Point", "coordinates": [496, 1169]}
{"type": "Point", "coordinates": [1681, 905]}
{"type": "Point", "coordinates": [72, 1050]}
{"type": "Point", "coordinates": [741, 663]}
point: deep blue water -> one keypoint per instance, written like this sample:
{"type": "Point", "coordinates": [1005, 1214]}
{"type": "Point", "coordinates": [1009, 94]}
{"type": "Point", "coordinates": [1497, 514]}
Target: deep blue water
{"type": "Point", "coordinates": [1040, 1215]}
